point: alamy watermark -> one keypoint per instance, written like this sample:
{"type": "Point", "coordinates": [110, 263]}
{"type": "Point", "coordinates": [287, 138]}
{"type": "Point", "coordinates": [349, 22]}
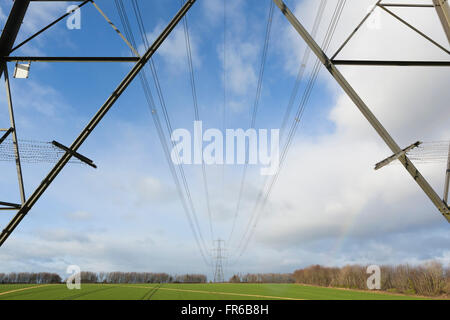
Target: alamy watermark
{"type": "Point", "coordinates": [254, 147]}
{"type": "Point", "coordinates": [74, 19]}
{"type": "Point", "coordinates": [74, 280]}
{"type": "Point", "coordinates": [374, 281]}
{"type": "Point", "coordinates": [374, 20]}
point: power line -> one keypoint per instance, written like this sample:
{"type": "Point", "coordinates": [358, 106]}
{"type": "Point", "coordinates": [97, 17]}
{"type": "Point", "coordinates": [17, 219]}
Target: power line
{"type": "Point", "coordinates": [302, 68]}
{"type": "Point", "coordinates": [144, 37]}
{"type": "Point", "coordinates": [255, 110]}
{"type": "Point", "coordinates": [296, 88]}
{"type": "Point", "coordinates": [168, 124]}
{"type": "Point", "coordinates": [193, 222]}
{"type": "Point", "coordinates": [298, 81]}
{"type": "Point", "coordinates": [197, 115]}
{"type": "Point", "coordinates": [224, 115]}
{"type": "Point", "coordinates": [260, 196]}
{"type": "Point", "coordinates": [262, 200]}
{"type": "Point", "coordinates": [224, 111]}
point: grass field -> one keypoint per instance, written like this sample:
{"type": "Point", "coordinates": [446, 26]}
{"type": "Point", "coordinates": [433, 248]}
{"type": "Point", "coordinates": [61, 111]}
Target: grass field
{"type": "Point", "coordinates": [223, 291]}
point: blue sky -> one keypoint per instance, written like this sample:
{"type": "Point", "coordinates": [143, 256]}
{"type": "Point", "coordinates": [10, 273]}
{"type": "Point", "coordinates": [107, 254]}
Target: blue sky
{"type": "Point", "coordinates": [328, 206]}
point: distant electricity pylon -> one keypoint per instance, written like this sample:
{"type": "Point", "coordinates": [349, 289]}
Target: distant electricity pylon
{"type": "Point", "coordinates": [219, 257]}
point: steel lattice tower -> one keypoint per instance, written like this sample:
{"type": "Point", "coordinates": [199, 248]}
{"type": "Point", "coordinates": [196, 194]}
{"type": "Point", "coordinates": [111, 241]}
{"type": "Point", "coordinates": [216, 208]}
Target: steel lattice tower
{"type": "Point", "coordinates": [218, 273]}
{"type": "Point", "coordinates": [7, 48]}
{"type": "Point", "coordinates": [7, 41]}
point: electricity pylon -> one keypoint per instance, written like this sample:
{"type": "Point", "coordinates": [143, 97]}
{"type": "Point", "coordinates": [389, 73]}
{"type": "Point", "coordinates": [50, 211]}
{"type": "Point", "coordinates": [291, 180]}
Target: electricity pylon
{"type": "Point", "coordinates": [331, 64]}
{"type": "Point", "coordinates": [15, 20]}
{"type": "Point", "coordinates": [219, 257]}
{"type": "Point", "coordinates": [7, 40]}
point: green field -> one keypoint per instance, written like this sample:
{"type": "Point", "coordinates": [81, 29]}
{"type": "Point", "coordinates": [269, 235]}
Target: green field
{"type": "Point", "coordinates": [223, 291]}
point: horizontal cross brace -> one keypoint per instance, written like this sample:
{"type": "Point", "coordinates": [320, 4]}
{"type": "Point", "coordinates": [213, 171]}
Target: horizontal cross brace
{"type": "Point", "coordinates": [394, 157]}
{"type": "Point", "coordinates": [75, 154]}
{"type": "Point", "coordinates": [5, 135]}
{"type": "Point", "coordinates": [392, 63]}
{"type": "Point", "coordinates": [10, 205]}
{"type": "Point", "coordinates": [72, 59]}
{"type": "Point", "coordinates": [406, 5]}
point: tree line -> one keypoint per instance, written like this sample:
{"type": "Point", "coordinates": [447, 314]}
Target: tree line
{"type": "Point", "coordinates": [27, 277]}
{"type": "Point", "coordinates": [429, 279]}
{"type": "Point", "coordinates": [101, 277]}
{"type": "Point", "coordinates": [139, 277]}
{"type": "Point", "coordinates": [262, 278]}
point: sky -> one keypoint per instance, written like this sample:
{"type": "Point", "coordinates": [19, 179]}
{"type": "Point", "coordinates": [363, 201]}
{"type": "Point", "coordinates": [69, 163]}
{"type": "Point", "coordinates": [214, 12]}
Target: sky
{"type": "Point", "coordinates": [328, 206]}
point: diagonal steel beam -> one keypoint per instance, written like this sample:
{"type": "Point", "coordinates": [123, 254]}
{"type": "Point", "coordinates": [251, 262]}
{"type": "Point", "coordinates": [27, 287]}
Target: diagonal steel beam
{"type": "Point", "coordinates": [12, 28]}
{"type": "Point", "coordinates": [447, 179]}
{"type": "Point", "coordinates": [14, 133]}
{"type": "Point", "coordinates": [356, 29]}
{"type": "Point", "coordinates": [5, 135]}
{"type": "Point", "coordinates": [94, 122]}
{"type": "Point", "coordinates": [115, 29]}
{"type": "Point", "coordinates": [48, 26]}
{"type": "Point", "coordinates": [353, 95]}
{"type": "Point", "coordinates": [414, 29]}
{"type": "Point", "coordinates": [75, 154]}
{"type": "Point", "coordinates": [443, 11]}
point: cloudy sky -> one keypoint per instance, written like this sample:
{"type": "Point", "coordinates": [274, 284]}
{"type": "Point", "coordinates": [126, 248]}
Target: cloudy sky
{"type": "Point", "coordinates": [328, 206]}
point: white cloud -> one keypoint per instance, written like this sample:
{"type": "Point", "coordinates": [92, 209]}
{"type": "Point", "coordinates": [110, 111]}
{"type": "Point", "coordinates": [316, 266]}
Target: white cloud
{"type": "Point", "coordinates": [241, 75]}
{"type": "Point", "coordinates": [80, 215]}
{"type": "Point", "coordinates": [39, 97]}
{"type": "Point", "coordinates": [2, 16]}
{"type": "Point", "coordinates": [243, 49]}
{"type": "Point", "coordinates": [54, 250]}
{"type": "Point", "coordinates": [173, 50]}
{"type": "Point", "coordinates": [213, 10]}
{"type": "Point", "coordinates": [41, 14]}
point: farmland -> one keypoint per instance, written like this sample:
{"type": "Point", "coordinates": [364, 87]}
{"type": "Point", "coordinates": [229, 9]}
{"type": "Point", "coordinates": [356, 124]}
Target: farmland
{"type": "Point", "coordinates": [222, 291]}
